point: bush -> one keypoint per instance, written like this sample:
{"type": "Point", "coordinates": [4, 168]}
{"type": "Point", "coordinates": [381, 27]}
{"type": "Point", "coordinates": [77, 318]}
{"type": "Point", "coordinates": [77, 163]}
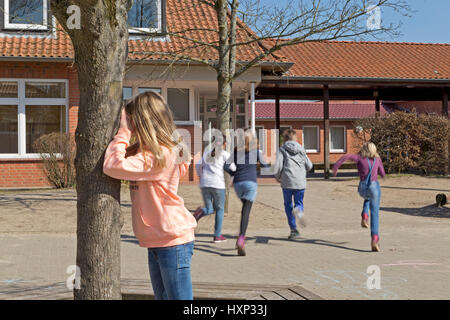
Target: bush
{"type": "Point", "coordinates": [408, 141]}
{"type": "Point", "coordinates": [57, 151]}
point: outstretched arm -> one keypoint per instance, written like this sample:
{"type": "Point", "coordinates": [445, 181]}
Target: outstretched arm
{"type": "Point", "coordinates": [351, 157]}
{"type": "Point", "coordinates": [262, 161]}
{"type": "Point", "coordinates": [229, 166]}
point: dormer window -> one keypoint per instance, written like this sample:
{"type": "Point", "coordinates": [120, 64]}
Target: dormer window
{"type": "Point", "coordinates": [146, 16]}
{"type": "Point", "coordinates": [25, 14]}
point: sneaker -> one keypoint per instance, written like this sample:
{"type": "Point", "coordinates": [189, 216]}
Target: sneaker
{"type": "Point", "coordinates": [199, 213]}
{"type": "Point", "coordinates": [300, 216]}
{"type": "Point", "coordinates": [240, 243]}
{"type": "Point", "coordinates": [294, 235]}
{"type": "Point", "coordinates": [375, 244]}
{"type": "Point", "coordinates": [365, 220]}
{"type": "Point", "coordinates": [219, 239]}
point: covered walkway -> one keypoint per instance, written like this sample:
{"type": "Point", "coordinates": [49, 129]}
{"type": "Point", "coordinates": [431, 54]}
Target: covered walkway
{"type": "Point", "coordinates": [358, 71]}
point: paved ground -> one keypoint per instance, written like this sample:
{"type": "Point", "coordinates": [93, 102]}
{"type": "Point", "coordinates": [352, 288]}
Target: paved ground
{"type": "Point", "coordinates": [38, 243]}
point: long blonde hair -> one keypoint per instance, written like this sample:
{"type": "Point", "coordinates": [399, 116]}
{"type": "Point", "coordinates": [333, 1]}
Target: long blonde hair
{"type": "Point", "coordinates": [369, 150]}
{"type": "Point", "coordinates": [153, 126]}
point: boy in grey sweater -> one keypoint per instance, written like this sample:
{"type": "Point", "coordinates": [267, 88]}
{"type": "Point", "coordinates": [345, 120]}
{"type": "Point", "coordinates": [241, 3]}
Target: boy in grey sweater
{"type": "Point", "coordinates": [290, 170]}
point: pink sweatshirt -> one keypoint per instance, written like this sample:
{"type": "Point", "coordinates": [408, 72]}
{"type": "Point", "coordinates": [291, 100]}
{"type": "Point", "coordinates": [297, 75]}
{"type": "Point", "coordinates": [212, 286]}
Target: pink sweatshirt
{"type": "Point", "coordinates": [159, 216]}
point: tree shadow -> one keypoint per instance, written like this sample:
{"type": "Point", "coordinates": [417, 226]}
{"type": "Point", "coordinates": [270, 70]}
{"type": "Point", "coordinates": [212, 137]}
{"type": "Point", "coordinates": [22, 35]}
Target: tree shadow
{"type": "Point", "coordinates": [320, 242]}
{"type": "Point", "coordinates": [265, 240]}
{"type": "Point", "coordinates": [208, 247]}
{"type": "Point", "coordinates": [129, 239]}
{"type": "Point", "coordinates": [431, 211]}
{"type": "Point", "coordinates": [411, 188]}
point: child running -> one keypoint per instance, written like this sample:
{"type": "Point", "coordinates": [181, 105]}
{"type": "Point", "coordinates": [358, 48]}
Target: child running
{"type": "Point", "coordinates": [369, 167]}
{"type": "Point", "coordinates": [212, 184]}
{"type": "Point", "coordinates": [161, 222]}
{"type": "Point", "coordinates": [242, 165]}
{"type": "Point", "coordinates": [290, 171]}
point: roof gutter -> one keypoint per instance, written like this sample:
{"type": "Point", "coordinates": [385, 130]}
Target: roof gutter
{"type": "Point", "coordinates": [321, 80]}
{"type": "Point", "coordinates": [37, 59]}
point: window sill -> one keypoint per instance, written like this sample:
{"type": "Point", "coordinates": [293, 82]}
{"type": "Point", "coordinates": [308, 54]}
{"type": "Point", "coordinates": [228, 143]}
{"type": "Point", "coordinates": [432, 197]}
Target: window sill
{"type": "Point", "coordinates": [184, 123]}
{"type": "Point", "coordinates": [21, 28]}
{"type": "Point", "coordinates": [31, 157]}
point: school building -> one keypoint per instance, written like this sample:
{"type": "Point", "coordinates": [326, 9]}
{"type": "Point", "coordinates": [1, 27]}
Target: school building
{"type": "Point", "coordinates": [39, 91]}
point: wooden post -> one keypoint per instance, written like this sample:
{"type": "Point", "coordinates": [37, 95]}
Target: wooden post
{"type": "Point", "coordinates": [326, 131]}
{"type": "Point", "coordinates": [377, 107]}
{"type": "Point", "coordinates": [445, 113]}
{"type": "Point", "coordinates": [277, 117]}
{"type": "Point", "coordinates": [445, 102]}
{"type": "Point", "coordinates": [376, 95]}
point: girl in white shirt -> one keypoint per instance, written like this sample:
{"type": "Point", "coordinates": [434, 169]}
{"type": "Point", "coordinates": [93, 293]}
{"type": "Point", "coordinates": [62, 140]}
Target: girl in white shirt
{"type": "Point", "coordinates": [212, 184]}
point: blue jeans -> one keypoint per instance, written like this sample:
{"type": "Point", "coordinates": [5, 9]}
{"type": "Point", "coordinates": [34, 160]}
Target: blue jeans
{"type": "Point", "coordinates": [170, 271]}
{"type": "Point", "coordinates": [246, 190]}
{"type": "Point", "coordinates": [297, 196]}
{"type": "Point", "coordinates": [373, 205]}
{"type": "Point", "coordinates": [214, 201]}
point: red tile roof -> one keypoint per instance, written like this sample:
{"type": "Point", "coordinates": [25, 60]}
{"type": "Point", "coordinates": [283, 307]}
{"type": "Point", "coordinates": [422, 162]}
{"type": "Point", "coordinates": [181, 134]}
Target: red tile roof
{"type": "Point", "coordinates": [181, 15]}
{"type": "Point", "coordinates": [343, 59]}
{"type": "Point", "coordinates": [314, 110]}
{"type": "Point", "coordinates": [332, 59]}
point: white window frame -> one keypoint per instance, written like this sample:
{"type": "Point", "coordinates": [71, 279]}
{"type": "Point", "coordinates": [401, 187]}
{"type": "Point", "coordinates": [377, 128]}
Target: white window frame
{"type": "Point", "coordinates": [261, 127]}
{"type": "Point", "coordinates": [21, 102]}
{"type": "Point", "coordinates": [345, 140]}
{"type": "Point", "coordinates": [318, 139]}
{"type": "Point", "coordinates": [134, 30]}
{"type": "Point", "coordinates": [29, 26]}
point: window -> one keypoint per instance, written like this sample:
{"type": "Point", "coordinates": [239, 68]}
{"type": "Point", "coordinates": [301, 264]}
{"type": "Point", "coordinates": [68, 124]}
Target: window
{"type": "Point", "coordinates": [311, 138]}
{"type": "Point", "coordinates": [142, 90]}
{"type": "Point", "coordinates": [45, 90]}
{"type": "Point", "coordinates": [9, 131]}
{"type": "Point", "coordinates": [42, 120]}
{"type": "Point", "coordinates": [28, 110]}
{"type": "Point", "coordinates": [145, 16]}
{"type": "Point", "coordinates": [241, 119]}
{"type": "Point", "coordinates": [261, 135]}
{"type": "Point", "coordinates": [127, 93]}
{"type": "Point", "coordinates": [178, 100]}
{"type": "Point", "coordinates": [337, 139]}
{"type": "Point", "coordinates": [26, 14]}
{"type": "Point", "coordinates": [8, 89]}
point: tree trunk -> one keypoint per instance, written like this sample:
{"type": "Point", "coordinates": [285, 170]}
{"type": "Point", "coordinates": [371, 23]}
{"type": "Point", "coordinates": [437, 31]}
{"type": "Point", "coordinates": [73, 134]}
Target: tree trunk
{"type": "Point", "coordinates": [100, 56]}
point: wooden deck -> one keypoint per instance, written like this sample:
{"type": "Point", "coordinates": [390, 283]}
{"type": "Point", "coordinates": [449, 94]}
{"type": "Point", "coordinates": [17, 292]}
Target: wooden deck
{"type": "Point", "coordinates": [141, 290]}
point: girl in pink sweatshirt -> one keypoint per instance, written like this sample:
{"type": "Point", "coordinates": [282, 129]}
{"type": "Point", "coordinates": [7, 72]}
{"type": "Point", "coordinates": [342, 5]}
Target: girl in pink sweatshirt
{"type": "Point", "coordinates": [154, 165]}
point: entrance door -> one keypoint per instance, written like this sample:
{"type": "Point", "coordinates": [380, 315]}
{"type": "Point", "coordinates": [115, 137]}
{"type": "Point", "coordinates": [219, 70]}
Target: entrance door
{"type": "Point", "coordinates": [208, 115]}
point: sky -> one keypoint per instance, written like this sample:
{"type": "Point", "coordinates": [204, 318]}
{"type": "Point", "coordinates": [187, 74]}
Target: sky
{"type": "Point", "coordinates": [429, 21]}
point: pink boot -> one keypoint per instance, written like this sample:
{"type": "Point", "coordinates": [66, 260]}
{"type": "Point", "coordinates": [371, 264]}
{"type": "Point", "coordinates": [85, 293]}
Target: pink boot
{"type": "Point", "coordinates": [240, 245]}
{"type": "Point", "coordinates": [365, 220]}
{"type": "Point", "coordinates": [376, 243]}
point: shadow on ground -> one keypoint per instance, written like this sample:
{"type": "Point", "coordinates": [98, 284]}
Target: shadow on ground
{"type": "Point", "coordinates": [209, 247]}
{"type": "Point", "coordinates": [431, 211]}
{"type": "Point", "coordinates": [201, 244]}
